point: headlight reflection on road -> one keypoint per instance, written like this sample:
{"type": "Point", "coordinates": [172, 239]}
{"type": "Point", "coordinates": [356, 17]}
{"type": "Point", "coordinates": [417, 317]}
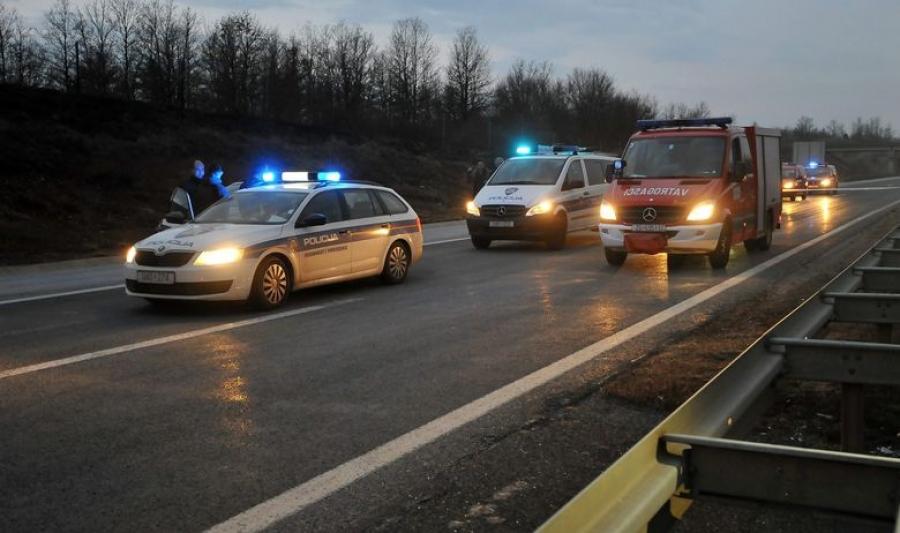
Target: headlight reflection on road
{"type": "Point", "coordinates": [232, 391]}
{"type": "Point", "coordinates": [825, 208]}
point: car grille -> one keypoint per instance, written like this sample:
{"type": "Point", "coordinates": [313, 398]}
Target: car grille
{"type": "Point", "coordinates": [664, 215]}
{"type": "Point", "coordinates": [510, 211]}
{"type": "Point", "coordinates": [171, 259]}
{"type": "Point", "coordinates": [179, 289]}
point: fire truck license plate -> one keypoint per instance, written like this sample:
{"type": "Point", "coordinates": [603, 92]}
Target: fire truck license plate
{"type": "Point", "coordinates": [152, 276]}
{"type": "Point", "coordinates": [649, 228]}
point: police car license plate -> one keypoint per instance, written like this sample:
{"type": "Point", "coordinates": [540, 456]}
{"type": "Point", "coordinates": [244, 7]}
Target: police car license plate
{"type": "Point", "coordinates": [649, 228]}
{"type": "Point", "coordinates": [152, 276]}
{"type": "Point", "coordinates": [502, 223]}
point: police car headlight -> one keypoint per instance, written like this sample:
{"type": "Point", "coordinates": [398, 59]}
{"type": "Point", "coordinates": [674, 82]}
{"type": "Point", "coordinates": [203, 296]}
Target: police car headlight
{"type": "Point", "coordinates": [129, 255]}
{"type": "Point", "coordinates": [607, 211]}
{"type": "Point", "coordinates": [222, 256]}
{"type": "Point", "coordinates": [540, 209]}
{"type": "Point", "coordinates": [702, 211]}
{"type": "Point", "coordinates": [472, 209]}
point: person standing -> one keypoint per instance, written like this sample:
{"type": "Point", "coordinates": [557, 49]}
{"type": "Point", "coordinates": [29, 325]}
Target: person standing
{"type": "Point", "coordinates": [201, 192]}
{"type": "Point", "coordinates": [215, 178]}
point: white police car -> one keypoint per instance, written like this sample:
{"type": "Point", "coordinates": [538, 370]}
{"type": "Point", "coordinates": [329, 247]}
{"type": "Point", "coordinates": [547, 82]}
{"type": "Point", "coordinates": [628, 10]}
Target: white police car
{"type": "Point", "coordinates": [264, 242]}
{"type": "Point", "coordinates": [542, 194]}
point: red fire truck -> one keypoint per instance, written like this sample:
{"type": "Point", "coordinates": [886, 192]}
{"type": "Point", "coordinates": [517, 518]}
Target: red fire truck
{"type": "Point", "coordinates": [695, 186]}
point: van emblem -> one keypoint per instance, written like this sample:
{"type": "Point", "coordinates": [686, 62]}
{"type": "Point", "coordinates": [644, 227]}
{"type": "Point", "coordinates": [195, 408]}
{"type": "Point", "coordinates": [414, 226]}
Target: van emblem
{"type": "Point", "coordinates": [501, 211]}
{"type": "Point", "coordinates": [161, 249]}
{"type": "Point", "coordinates": [510, 190]}
{"type": "Point", "coordinates": [649, 214]}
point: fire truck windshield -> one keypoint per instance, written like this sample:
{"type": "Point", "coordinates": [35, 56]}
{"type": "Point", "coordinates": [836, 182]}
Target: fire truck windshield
{"type": "Point", "coordinates": [674, 157]}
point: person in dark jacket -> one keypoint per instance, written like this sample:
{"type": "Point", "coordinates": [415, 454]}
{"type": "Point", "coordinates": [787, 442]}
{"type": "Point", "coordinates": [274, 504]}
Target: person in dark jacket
{"type": "Point", "coordinates": [203, 193]}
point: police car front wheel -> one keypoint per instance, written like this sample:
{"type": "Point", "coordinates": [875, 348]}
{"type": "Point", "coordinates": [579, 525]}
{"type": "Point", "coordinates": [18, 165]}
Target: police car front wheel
{"type": "Point", "coordinates": [271, 284]}
{"type": "Point", "coordinates": [396, 264]}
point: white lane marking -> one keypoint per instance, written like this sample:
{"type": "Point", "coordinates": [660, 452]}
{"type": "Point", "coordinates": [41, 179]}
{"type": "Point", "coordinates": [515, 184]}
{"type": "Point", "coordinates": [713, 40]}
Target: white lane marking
{"type": "Point", "coordinates": [445, 241]}
{"type": "Point", "coordinates": [165, 340]}
{"type": "Point", "coordinates": [296, 499]}
{"type": "Point", "coordinates": [61, 294]}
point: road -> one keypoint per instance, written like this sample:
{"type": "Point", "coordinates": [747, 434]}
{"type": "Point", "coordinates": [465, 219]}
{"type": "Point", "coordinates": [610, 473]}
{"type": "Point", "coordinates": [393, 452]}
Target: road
{"type": "Point", "coordinates": [115, 415]}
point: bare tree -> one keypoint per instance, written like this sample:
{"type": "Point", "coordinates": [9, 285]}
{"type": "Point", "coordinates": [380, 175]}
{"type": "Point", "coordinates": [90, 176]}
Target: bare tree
{"type": "Point", "coordinates": [412, 57]}
{"type": "Point", "coordinates": [468, 76]}
{"type": "Point", "coordinates": [188, 38]}
{"type": "Point", "coordinates": [351, 57]}
{"type": "Point", "coordinates": [60, 37]}
{"type": "Point", "coordinates": [232, 56]}
{"type": "Point", "coordinates": [126, 15]}
{"type": "Point", "coordinates": [8, 20]}
{"type": "Point", "coordinates": [95, 28]}
{"type": "Point", "coordinates": [26, 55]}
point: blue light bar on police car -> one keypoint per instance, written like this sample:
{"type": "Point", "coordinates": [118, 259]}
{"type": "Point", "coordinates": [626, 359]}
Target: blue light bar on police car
{"type": "Point", "coordinates": [268, 176]}
{"type": "Point", "coordinates": [329, 176]}
{"type": "Point", "coordinates": [523, 149]}
{"type": "Point", "coordinates": [295, 176]}
{"type": "Point", "coordinates": [813, 164]}
{"type": "Point", "coordinates": [645, 125]}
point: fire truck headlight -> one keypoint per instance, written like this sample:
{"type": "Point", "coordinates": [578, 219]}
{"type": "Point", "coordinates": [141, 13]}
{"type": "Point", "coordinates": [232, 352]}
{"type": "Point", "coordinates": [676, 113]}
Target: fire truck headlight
{"type": "Point", "coordinates": [788, 184]}
{"type": "Point", "coordinates": [129, 256]}
{"type": "Point", "coordinates": [222, 256]}
{"type": "Point", "coordinates": [472, 209]}
{"type": "Point", "coordinates": [702, 211]}
{"type": "Point", "coordinates": [607, 211]}
{"type": "Point", "coordinates": [826, 182]}
{"type": "Point", "coordinates": [540, 209]}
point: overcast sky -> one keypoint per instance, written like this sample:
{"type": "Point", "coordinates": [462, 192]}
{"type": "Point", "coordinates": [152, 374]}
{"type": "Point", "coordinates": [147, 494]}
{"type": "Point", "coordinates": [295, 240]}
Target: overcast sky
{"type": "Point", "coordinates": [767, 61]}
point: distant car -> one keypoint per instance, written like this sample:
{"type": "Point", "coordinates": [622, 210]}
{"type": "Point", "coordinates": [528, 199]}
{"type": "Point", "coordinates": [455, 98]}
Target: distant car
{"type": "Point", "coordinates": [823, 177]}
{"type": "Point", "coordinates": [793, 181]}
{"type": "Point", "coordinates": [264, 242]}
{"type": "Point", "coordinates": [543, 194]}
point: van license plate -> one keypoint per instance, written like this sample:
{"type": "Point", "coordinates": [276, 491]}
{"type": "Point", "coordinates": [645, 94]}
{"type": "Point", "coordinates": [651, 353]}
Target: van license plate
{"type": "Point", "coordinates": [502, 223]}
{"type": "Point", "coordinates": [649, 228]}
{"type": "Point", "coordinates": [159, 278]}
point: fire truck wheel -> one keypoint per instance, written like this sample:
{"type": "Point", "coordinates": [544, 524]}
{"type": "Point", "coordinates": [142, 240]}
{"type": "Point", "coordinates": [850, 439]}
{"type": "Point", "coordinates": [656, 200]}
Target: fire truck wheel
{"type": "Point", "coordinates": [718, 258]}
{"type": "Point", "coordinates": [789, 198]}
{"type": "Point", "coordinates": [803, 197]}
{"type": "Point", "coordinates": [615, 257]}
{"type": "Point", "coordinates": [763, 243]}
{"type": "Point", "coordinates": [481, 243]}
{"type": "Point", "coordinates": [674, 261]}
{"type": "Point", "coordinates": [557, 239]}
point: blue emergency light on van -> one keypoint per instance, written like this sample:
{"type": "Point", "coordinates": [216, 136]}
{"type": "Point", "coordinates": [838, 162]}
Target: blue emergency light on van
{"type": "Point", "coordinates": [645, 125]}
{"type": "Point", "coordinates": [813, 164]}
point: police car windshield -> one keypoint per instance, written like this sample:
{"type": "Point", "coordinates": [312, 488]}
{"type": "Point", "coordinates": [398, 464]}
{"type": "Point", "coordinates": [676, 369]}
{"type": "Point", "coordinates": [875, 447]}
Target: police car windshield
{"type": "Point", "coordinates": [253, 207]}
{"type": "Point", "coordinates": [820, 171]}
{"type": "Point", "coordinates": [528, 171]}
{"type": "Point", "coordinates": [674, 157]}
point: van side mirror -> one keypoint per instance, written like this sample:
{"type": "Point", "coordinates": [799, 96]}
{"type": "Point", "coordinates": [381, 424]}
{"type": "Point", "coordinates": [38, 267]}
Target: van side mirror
{"type": "Point", "coordinates": [315, 219]}
{"type": "Point", "coordinates": [175, 217]}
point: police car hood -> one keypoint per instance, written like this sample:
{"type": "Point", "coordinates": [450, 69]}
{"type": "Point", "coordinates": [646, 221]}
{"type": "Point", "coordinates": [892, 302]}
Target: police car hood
{"type": "Point", "coordinates": [667, 192]}
{"type": "Point", "coordinates": [199, 237]}
{"type": "Point", "coordinates": [526, 195]}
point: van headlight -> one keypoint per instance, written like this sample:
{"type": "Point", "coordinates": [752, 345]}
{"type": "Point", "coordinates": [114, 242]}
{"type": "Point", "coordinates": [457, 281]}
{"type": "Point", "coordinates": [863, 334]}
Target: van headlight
{"type": "Point", "coordinates": [702, 211]}
{"type": "Point", "coordinates": [222, 256]}
{"type": "Point", "coordinates": [826, 182]}
{"type": "Point", "coordinates": [789, 185]}
{"type": "Point", "coordinates": [472, 209]}
{"type": "Point", "coordinates": [540, 209]}
{"type": "Point", "coordinates": [129, 255]}
{"type": "Point", "coordinates": [607, 211]}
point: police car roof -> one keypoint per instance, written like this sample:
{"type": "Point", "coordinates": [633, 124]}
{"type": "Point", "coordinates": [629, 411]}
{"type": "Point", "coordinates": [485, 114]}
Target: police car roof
{"type": "Point", "coordinates": [566, 156]}
{"type": "Point", "coordinates": [305, 186]}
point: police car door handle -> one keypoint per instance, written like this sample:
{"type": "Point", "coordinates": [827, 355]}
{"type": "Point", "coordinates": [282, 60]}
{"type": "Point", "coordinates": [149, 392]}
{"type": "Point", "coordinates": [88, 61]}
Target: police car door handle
{"type": "Point", "coordinates": [585, 193]}
{"type": "Point", "coordinates": [385, 225]}
{"type": "Point", "coordinates": [344, 232]}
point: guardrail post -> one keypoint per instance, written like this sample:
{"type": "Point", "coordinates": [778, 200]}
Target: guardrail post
{"type": "Point", "coordinates": [852, 418]}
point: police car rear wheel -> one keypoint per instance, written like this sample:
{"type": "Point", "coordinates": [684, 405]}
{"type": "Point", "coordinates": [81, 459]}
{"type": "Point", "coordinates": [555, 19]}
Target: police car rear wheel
{"type": "Point", "coordinates": [271, 284]}
{"type": "Point", "coordinates": [396, 264]}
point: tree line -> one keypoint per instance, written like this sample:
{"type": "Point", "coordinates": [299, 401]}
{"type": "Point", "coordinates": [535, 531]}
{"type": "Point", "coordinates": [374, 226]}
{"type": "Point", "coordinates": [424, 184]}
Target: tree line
{"type": "Point", "coordinates": [871, 131]}
{"type": "Point", "coordinates": [333, 76]}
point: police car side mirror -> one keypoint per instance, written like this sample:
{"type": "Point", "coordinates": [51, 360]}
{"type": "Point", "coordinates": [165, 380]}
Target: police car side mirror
{"type": "Point", "coordinates": [315, 219]}
{"type": "Point", "coordinates": [175, 217]}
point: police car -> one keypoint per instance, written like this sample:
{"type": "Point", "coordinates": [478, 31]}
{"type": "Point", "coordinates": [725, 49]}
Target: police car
{"type": "Point", "coordinates": [263, 242]}
{"type": "Point", "coordinates": [542, 194]}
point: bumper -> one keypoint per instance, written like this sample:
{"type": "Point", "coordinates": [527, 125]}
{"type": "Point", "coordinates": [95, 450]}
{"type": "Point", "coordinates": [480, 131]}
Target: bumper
{"type": "Point", "coordinates": [222, 282]}
{"type": "Point", "coordinates": [535, 228]}
{"type": "Point", "coordinates": [787, 193]}
{"type": "Point", "coordinates": [693, 239]}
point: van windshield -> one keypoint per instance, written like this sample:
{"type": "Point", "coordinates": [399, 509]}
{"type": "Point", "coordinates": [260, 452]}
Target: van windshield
{"type": "Point", "coordinates": [674, 157]}
{"type": "Point", "coordinates": [528, 171]}
{"type": "Point", "coordinates": [821, 171]}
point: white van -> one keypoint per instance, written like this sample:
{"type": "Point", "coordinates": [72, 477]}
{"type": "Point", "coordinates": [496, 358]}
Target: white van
{"type": "Point", "coordinates": [540, 197]}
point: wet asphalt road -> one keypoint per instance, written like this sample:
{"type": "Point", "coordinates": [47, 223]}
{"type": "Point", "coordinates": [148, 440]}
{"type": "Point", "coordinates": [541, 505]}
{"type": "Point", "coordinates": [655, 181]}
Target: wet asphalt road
{"type": "Point", "coordinates": [184, 435]}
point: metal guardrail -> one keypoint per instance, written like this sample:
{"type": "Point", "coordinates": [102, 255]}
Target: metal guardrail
{"type": "Point", "coordinates": [696, 450]}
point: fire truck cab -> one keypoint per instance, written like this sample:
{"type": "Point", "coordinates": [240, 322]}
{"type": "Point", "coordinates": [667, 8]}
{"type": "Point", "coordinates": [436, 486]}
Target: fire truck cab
{"type": "Point", "coordinates": [693, 186]}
